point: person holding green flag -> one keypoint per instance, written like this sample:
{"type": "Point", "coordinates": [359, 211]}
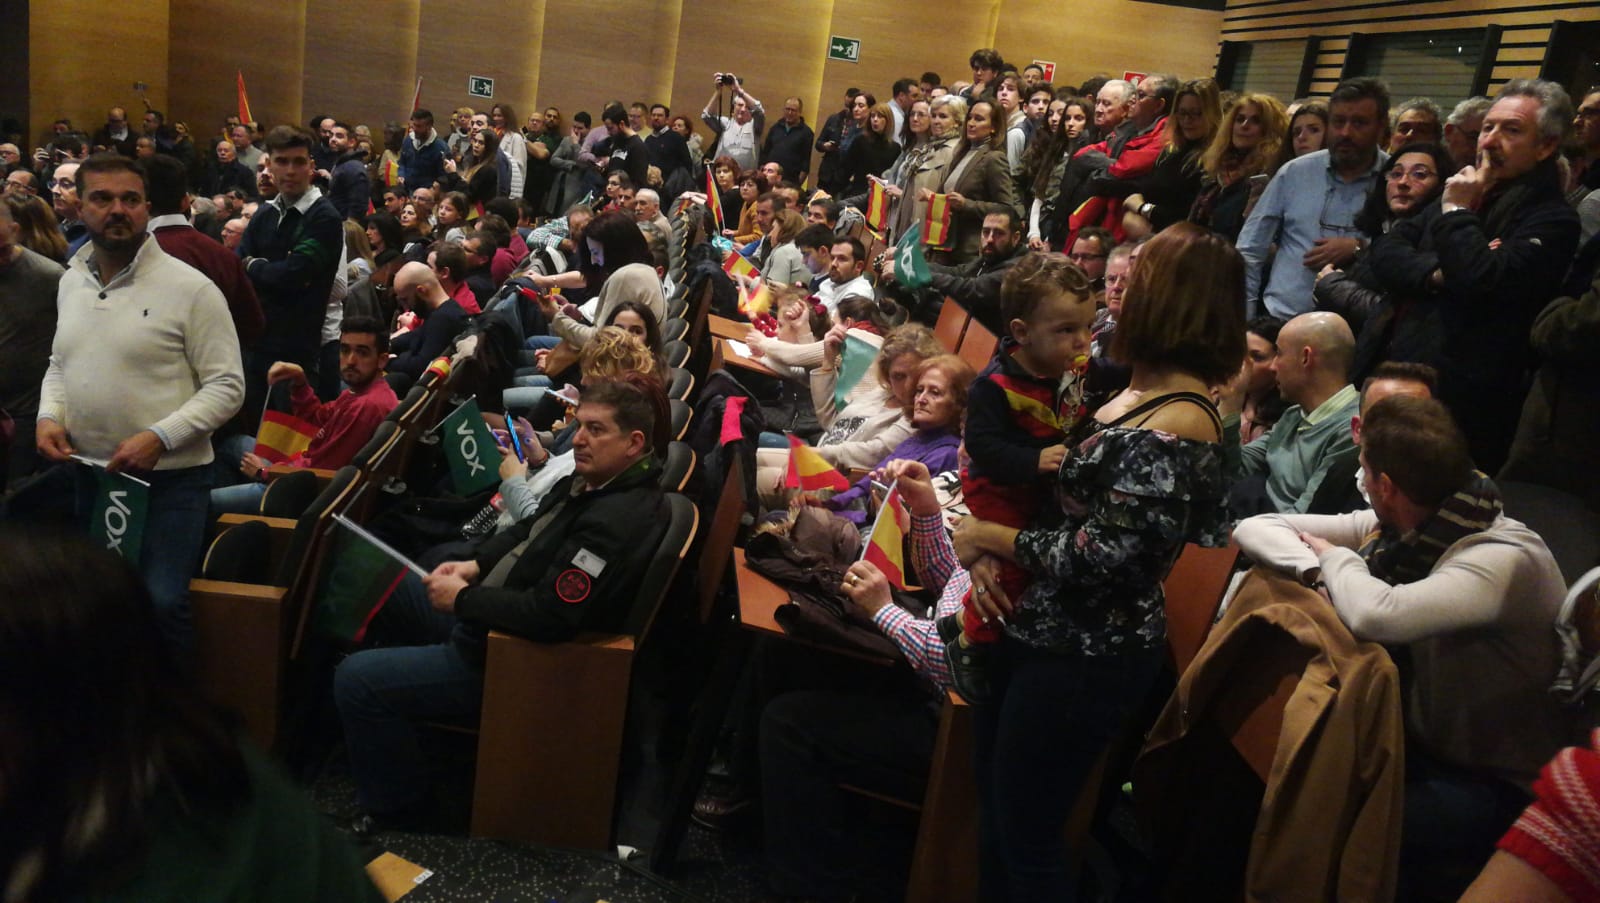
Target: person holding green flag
{"type": "Point", "coordinates": [144, 367]}
{"type": "Point", "coordinates": [922, 287]}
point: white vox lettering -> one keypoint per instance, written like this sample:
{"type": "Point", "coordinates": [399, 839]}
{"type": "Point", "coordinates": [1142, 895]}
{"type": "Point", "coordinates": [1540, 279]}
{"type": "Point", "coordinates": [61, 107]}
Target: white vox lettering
{"type": "Point", "coordinates": [469, 447]}
{"type": "Point", "coordinates": [116, 518]}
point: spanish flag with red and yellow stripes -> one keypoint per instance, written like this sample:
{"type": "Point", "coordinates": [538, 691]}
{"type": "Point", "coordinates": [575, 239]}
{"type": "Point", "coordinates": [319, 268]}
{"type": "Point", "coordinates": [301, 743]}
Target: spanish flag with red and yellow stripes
{"type": "Point", "coordinates": [737, 265]}
{"type": "Point", "coordinates": [936, 225]}
{"type": "Point", "coordinates": [877, 206]}
{"type": "Point", "coordinates": [886, 544]}
{"type": "Point", "coordinates": [810, 471]}
{"type": "Point", "coordinates": [714, 201]}
{"type": "Point", "coordinates": [755, 305]}
{"type": "Point", "coordinates": [244, 101]}
{"type": "Point", "coordinates": [282, 436]}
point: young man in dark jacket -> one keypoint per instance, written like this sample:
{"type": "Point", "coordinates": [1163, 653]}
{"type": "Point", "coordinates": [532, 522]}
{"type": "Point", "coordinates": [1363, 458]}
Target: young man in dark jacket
{"type": "Point", "coordinates": [423, 153]}
{"type": "Point", "coordinates": [349, 186]}
{"type": "Point", "coordinates": [574, 565]}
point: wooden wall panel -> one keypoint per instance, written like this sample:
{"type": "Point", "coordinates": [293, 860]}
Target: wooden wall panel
{"type": "Point", "coordinates": [83, 58]}
{"type": "Point", "coordinates": [362, 60]}
{"type": "Point", "coordinates": [597, 51]}
{"type": "Point", "coordinates": [1109, 37]}
{"type": "Point", "coordinates": [502, 42]}
{"type": "Point", "coordinates": [210, 43]}
{"type": "Point", "coordinates": [778, 56]}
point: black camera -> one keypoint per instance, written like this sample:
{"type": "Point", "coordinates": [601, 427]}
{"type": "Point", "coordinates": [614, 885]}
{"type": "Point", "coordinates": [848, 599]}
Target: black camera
{"type": "Point", "coordinates": [727, 78]}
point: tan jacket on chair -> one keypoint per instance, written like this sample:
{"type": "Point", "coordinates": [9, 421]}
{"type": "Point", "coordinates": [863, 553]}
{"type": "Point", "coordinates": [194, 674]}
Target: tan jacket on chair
{"type": "Point", "coordinates": [1328, 824]}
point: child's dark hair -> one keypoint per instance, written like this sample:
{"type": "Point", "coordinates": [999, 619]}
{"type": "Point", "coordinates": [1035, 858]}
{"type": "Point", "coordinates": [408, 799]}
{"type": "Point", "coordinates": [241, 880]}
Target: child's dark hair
{"type": "Point", "coordinates": [1035, 277]}
{"type": "Point", "coordinates": [884, 314]}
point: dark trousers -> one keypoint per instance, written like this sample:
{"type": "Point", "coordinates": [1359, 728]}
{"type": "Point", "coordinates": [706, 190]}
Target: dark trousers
{"type": "Point", "coordinates": [1037, 741]}
{"type": "Point", "coordinates": [1453, 818]}
{"type": "Point", "coordinates": [814, 740]}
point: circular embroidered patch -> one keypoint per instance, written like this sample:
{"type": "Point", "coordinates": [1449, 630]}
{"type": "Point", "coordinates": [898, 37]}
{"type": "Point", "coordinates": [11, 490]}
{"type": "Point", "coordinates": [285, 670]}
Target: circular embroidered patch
{"type": "Point", "coordinates": [572, 586]}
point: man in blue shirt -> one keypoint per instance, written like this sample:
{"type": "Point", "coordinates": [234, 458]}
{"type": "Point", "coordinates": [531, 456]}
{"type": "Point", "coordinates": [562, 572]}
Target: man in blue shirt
{"type": "Point", "coordinates": [1309, 208]}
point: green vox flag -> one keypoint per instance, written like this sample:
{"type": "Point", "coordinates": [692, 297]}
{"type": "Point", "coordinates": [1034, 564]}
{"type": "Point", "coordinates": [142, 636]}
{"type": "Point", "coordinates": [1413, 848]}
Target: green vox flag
{"type": "Point", "coordinates": [910, 268]}
{"type": "Point", "coordinates": [470, 448]}
{"type": "Point", "coordinates": [854, 362]}
{"type": "Point", "coordinates": [362, 574]}
{"type": "Point", "coordinates": [117, 519]}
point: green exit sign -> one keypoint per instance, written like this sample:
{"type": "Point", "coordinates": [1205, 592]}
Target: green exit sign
{"type": "Point", "coordinates": [480, 86]}
{"type": "Point", "coordinates": [846, 49]}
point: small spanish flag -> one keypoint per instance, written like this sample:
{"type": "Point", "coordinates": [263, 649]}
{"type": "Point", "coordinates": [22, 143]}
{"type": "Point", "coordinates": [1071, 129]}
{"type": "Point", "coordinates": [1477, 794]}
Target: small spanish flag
{"type": "Point", "coordinates": [437, 370]}
{"type": "Point", "coordinates": [282, 436]}
{"type": "Point", "coordinates": [886, 544]}
{"type": "Point", "coordinates": [936, 227]}
{"type": "Point", "coordinates": [737, 265]}
{"type": "Point", "coordinates": [244, 101]}
{"type": "Point", "coordinates": [755, 305]}
{"type": "Point", "coordinates": [714, 201]}
{"type": "Point", "coordinates": [877, 206]}
{"type": "Point", "coordinates": [810, 471]}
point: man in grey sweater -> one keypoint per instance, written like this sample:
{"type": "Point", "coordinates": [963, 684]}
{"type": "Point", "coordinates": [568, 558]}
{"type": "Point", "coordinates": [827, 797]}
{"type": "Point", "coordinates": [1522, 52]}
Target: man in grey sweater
{"type": "Point", "coordinates": [1472, 596]}
{"type": "Point", "coordinates": [144, 366]}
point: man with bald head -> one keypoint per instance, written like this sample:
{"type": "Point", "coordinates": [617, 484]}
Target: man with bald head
{"type": "Point", "coordinates": [442, 320]}
{"type": "Point", "coordinates": [1282, 471]}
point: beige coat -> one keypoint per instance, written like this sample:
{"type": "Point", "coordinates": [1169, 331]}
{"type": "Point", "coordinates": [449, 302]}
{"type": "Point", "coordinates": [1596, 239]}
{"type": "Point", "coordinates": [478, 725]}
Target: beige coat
{"type": "Point", "coordinates": [1328, 825]}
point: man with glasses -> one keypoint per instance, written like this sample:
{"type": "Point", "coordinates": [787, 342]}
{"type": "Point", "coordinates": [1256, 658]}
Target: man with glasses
{"type": "Point", "coordinates": [69, 212]}
{"type": "Point", "coordinates": [22, 182]}
{"type": "Point", "coordinates": [1461, 130]}
{"type": "Point", "coordinates": [1309, 208]}
{"type": "Point", "coordinates": [143, 367]}
{"type": "Point", "coordinates": [1469, 274]}
{"type": "Point", "coordinates": [1129, 149]}
{"type": "Point", "coordinates": [1587, 123]}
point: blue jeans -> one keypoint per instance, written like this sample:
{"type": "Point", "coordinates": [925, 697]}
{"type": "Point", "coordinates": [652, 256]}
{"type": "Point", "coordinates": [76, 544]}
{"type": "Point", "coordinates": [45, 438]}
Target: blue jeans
{"type": "Point", "coordinates": [1453, 817]}
{"type": "Point", "coordinates": [245, 498]}
{"type": "Point", "coordinates": [174, 541]}
{"type": "Point", "coordinates": [385, 694]}
{"type": "Point", "coordinates": [521, 399]}
{"type": "Point", "coordinates": [1036, 742]}
{"type": "Point", "coordinates": [540, 342]}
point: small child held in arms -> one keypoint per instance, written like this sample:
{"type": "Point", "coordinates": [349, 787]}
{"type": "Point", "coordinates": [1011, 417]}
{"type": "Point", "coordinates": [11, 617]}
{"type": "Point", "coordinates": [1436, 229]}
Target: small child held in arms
{"type": "Point", "coordinates": [1019, 411]}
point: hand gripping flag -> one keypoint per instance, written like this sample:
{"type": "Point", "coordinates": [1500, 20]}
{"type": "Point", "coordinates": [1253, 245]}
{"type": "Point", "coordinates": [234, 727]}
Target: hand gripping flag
{"type": "Point", "coordinates": [936, 231]}
{"type": "Point", "coordinates": [886, 544]}
{"type": "Point", "coordinates": [282, 436]}
{"type": "Point", "coordinates": [755, 305]}
{"type": "Point", "coordinates": [877, 206]}
{"type": "Point", "coordinates": [121, 504]}
{"type": "Point", "coordinates": [810, 471]}
{"type": "Point", "coordinates": [714, 201]}
{"type": "Point", "coordinates": [910, 267]}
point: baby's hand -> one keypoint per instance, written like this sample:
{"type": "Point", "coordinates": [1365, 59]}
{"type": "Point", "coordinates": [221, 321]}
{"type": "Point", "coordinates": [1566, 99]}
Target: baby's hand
{"type": "Point", "coordinates": [1050, 458]}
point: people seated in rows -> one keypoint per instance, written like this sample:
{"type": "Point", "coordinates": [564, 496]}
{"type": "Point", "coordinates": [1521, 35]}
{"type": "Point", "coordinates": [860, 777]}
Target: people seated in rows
{"type": "Point", "coordinates": [1437, 568]}
{"type": "Point", "coordinates": [439, 321]}
{"type": "Point", "coordinates": [343, 425]}
{"type": "Point", "coordinates": [1283, 470]}
{"type": "Point", "coordinates": [575, 565]}
{"type": "Point", "coordinates": [976, 285]}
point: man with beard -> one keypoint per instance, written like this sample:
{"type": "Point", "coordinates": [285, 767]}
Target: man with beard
{"type": "Point", "coordinates": [1309, 208]}
{"type": "Point", "coordinates": [144, 366]}
{"type": "Point", "coordinates": [975, 285]}
{"type": "Point", "coordinates": [345, 424]}
{"type": "Point", "coordinates": [348, 184]}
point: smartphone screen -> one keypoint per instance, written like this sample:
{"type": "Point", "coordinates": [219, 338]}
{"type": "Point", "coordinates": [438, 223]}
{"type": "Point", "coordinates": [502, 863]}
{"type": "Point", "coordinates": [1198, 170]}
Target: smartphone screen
{"type": "Point", "coordinates": [516, 443]}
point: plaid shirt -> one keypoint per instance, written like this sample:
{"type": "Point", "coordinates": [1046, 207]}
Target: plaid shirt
{"type": "Point", "coordinates": [934, 557]}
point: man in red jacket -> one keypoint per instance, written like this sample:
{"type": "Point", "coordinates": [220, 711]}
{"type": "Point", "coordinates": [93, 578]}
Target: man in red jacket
{"type": "Point", "coordinates": [346, 423]}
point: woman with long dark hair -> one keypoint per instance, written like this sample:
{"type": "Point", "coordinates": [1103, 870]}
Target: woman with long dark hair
{"type": "Point", "coordinates": [977, 183]}
{"type": "Point", "coordinates": [117, 780]}
{"type": "Point", "coordinates": [872, 152]}
{"type": "Point", "coordinates": [614, 257]}
{"type": "Point", "coordinates": [1067, 130]}
{"type": "Point", "coordinates": [1164, 195]}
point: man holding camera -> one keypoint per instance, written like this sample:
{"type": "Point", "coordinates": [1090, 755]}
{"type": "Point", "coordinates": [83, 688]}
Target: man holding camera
{"type": "Point", "coordinates": [739, 135]}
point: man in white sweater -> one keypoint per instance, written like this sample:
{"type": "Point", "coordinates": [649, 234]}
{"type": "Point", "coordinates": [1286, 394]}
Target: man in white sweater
{"type": "Point", "coordinates": [144, 366]}
{"type": "Point", "coordinates": [1471, 595]}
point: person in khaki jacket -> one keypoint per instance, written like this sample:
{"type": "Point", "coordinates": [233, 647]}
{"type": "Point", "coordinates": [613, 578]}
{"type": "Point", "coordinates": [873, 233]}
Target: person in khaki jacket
{"type": "Point", "coordinates": [1472, 596]}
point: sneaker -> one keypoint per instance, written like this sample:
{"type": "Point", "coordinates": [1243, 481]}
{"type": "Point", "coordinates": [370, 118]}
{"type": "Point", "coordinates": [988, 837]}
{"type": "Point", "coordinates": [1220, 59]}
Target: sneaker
{"type": "Point", "coordinates": [969, 670]}
{"type": "Point", "coordinates": [949, 627]}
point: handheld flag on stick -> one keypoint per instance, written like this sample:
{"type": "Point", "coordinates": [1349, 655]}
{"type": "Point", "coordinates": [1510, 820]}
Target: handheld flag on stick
{"type": "Point", "coordinates": [855, 360]}
{"type": "Point", "coordinates": [737, 264]}
{"type": "Point", "coordinates": [714, 201]}
{"type": "Point", "coordinates": [416, 97]}
{"type": "Point", "coordinates": [121, 504]}
{"type": "Point", "coordinates": [886, 544]}
{"type": "Point", "coordinates": [282, 436]}
{"type": "Point", "coordinates": [244, 102]}
{"type": "Point", "coordinates": [470, 449]}
{"type": "Point", "coordinates": [936, 225]}
{"type": "Point", "coordinates": [910, 267]}
{"type": "Point", "coordinates": [363, 573]}
{"type": "Point", "coordinates": [877, 206]}
{"type": "Point", "coordinates": [755, 305]}
{"type": "Point", "coordinates": [810, 471]}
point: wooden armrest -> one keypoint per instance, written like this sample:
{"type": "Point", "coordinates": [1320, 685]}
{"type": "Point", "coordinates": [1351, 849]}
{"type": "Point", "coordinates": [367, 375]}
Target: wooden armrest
{"type": "Point", "coordinates": [273, 523]}
{"type": "Point", "coordinates": [278, 470]}
{"type": "Point", "coordinates": [239, 644]}
{"type": "Point", "coordinates": [759, 598]}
